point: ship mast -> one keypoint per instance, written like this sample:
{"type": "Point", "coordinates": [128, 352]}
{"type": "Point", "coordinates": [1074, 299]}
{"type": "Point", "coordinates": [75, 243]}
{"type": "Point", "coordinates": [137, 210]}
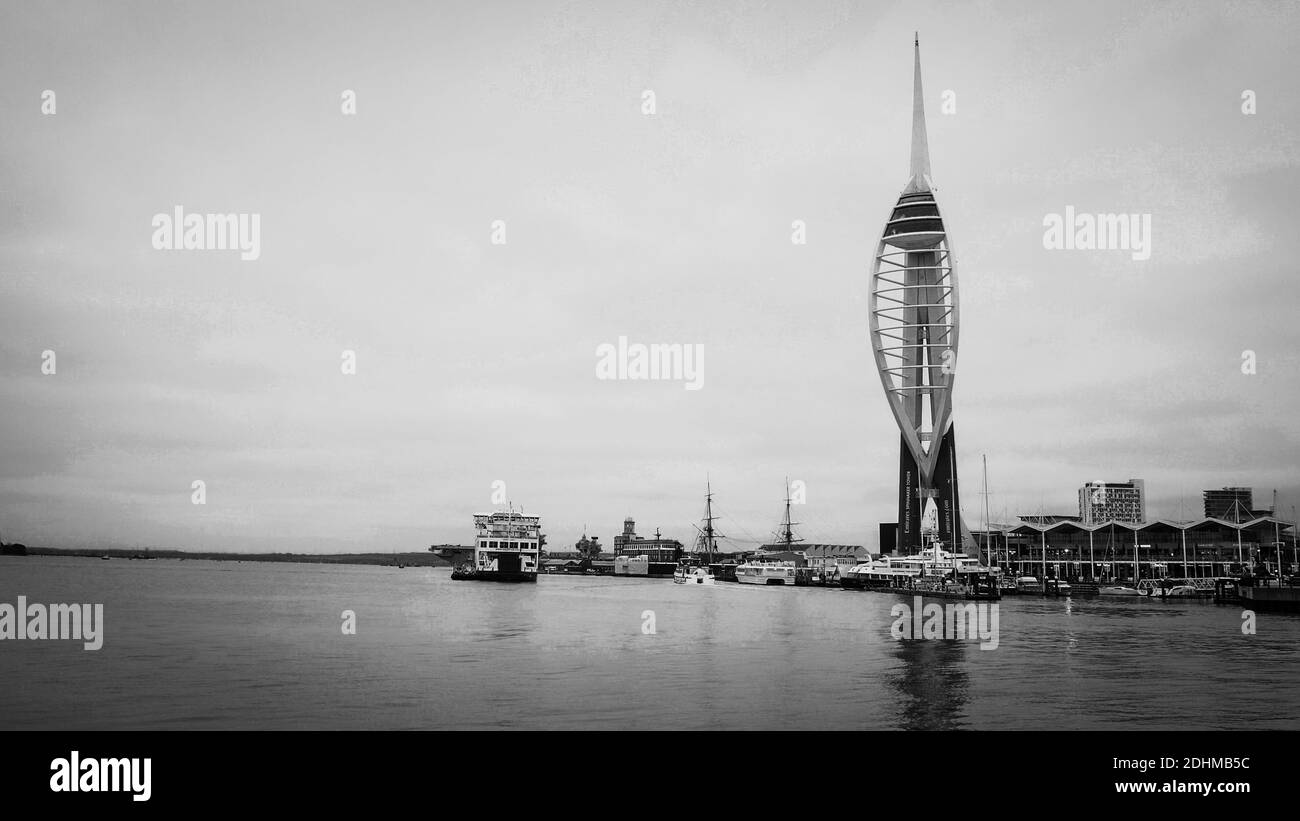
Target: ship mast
{"type": "Point", "coordinates": [787, 534]}
{"type": "Point", "coordinates": [988, 535]}
{"type": "Point", "coordinates": [708, 535]}
{"type": "Point", "coordinates": [1294, 527]}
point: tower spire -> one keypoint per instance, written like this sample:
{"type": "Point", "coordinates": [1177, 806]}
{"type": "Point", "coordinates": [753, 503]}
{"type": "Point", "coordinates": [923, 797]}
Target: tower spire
{"type": "Point", "coordinates": [920, 179]}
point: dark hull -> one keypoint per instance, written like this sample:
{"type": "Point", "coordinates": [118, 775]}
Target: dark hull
{"type": "Point", "coordinates": [1284, 599]}
{"type": "Point", "coordinates": [493, 576]}
{"type": "Point", "coordinates": [854, 583]}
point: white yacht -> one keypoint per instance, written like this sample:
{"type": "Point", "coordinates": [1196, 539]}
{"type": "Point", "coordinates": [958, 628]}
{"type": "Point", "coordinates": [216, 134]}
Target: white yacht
{"type": "Point", "coordinates": [898, 571]}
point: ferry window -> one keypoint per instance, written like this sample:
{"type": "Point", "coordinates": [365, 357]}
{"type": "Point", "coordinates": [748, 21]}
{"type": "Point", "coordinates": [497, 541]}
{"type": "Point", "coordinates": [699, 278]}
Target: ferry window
{"type": "Point", "coordinates": [482, 542]}
{"type": "Point", "coordinates": [492, 544]}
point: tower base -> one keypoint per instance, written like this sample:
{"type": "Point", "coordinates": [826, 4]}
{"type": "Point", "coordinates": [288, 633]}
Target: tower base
{"type": "Point", "coordinates": [914, 490]}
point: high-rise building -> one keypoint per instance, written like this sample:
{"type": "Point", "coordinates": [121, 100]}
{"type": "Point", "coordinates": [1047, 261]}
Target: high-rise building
{"type": "Point", "coordinates": [1229, 503]}
{"type": "Point", "coordinates": [1121, 501]}
{"type": "Point", "coordinates": [913, 319]}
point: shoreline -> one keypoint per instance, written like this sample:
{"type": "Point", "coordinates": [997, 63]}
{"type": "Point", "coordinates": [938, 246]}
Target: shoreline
{"type": "Point", "coordinates": [425, 559]}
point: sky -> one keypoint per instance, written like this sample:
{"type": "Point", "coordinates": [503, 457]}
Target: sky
{"type": "Point", "coordinates": [475, 361]}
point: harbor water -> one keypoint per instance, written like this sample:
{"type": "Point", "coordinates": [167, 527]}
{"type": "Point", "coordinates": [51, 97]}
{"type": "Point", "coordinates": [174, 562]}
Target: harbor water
{"type": "Point", "coordinates": [260, 645]}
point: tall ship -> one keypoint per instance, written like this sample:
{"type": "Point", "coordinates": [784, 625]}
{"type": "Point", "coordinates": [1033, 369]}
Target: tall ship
{"type": "Point", "coordinates": [507, 548]}
{"type": "Point", "coordinates": [767, 571]}
{"type": "Point", "coordinates": [697, 569]}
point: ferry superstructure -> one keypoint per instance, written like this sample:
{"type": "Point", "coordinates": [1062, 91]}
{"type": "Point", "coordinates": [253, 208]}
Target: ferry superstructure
{"type": "Point", "coordinates": [507, 548]}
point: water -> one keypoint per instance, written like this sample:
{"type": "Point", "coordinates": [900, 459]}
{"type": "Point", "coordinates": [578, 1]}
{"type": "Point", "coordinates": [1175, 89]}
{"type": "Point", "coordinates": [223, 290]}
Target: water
{"type": "Point", "coordinates": [196, 644]}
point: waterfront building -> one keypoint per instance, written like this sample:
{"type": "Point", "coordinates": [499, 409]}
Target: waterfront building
{"type": "Point", "coordinates": [658, 549]}
{"type": "Point", "coordinates": [834, 559]}
{"type": "Point", "coordinates": [1161, 548]}
{"type": "Point", "coordinates": [913, 319]}
{"type": "Point", "coordinates": [1113, 501]}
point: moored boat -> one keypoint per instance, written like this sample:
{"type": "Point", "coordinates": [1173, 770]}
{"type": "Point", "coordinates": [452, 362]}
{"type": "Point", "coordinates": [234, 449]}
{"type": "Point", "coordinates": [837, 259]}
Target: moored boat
{"type": "Point", "coordinates": [507, 547]}
{"type": "Point", "coordinates": [1118, 590]}
{"type": "Point", "coordinates": [697, 569]}
{"type": "Point", "coordinates": [758, 571]}
{"type": "Point", "coordinates": [932, 570]}
{"type": "Point", "coordinates": [1177, 591]}
{"type": "Point", "coordinates": [688, 573]}
{"type": "Point", "coordinates": [1028, 584]}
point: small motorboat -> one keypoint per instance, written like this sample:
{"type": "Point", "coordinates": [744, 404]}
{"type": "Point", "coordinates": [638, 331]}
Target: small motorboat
{"type": "Point", "coordinates": [693, 575]}
{"type": "Point", "coordinates": [1177, 591]}
{"type": "Point", "coordinates": [1028, 584]}
{"type": "Point", "coordinates": [1118, 590]}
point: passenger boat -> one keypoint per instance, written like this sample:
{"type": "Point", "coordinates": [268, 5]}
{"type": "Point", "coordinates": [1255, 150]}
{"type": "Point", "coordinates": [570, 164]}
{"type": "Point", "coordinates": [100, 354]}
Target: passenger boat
{"type": "Point", "coordinates": [507, 547]}
{"type": "Point", "coordinates": [759, 571]}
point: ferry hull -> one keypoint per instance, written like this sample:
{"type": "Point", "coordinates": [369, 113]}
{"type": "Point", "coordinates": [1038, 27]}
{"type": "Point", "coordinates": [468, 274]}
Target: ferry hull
{"type": "Point", "coordinates": [493, 576]}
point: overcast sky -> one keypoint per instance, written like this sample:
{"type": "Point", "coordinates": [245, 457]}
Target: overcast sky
{"type": "Point", "coordinates": [476, 362]}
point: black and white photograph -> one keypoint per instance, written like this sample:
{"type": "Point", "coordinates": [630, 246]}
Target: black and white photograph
{"type": "Point", "coordinates": [628, 367]}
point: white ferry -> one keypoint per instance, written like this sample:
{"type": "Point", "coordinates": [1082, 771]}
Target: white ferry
{"type": "Point", "coordinates": [761, 571]}
{"type": "Point", "coordinates": [507, 548]}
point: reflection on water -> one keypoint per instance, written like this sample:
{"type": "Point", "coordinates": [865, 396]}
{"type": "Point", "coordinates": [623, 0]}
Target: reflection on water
{"type": "Point", "coordinates": [258, 645]}
{"type": "Point", "coordinates": [931, 683]}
